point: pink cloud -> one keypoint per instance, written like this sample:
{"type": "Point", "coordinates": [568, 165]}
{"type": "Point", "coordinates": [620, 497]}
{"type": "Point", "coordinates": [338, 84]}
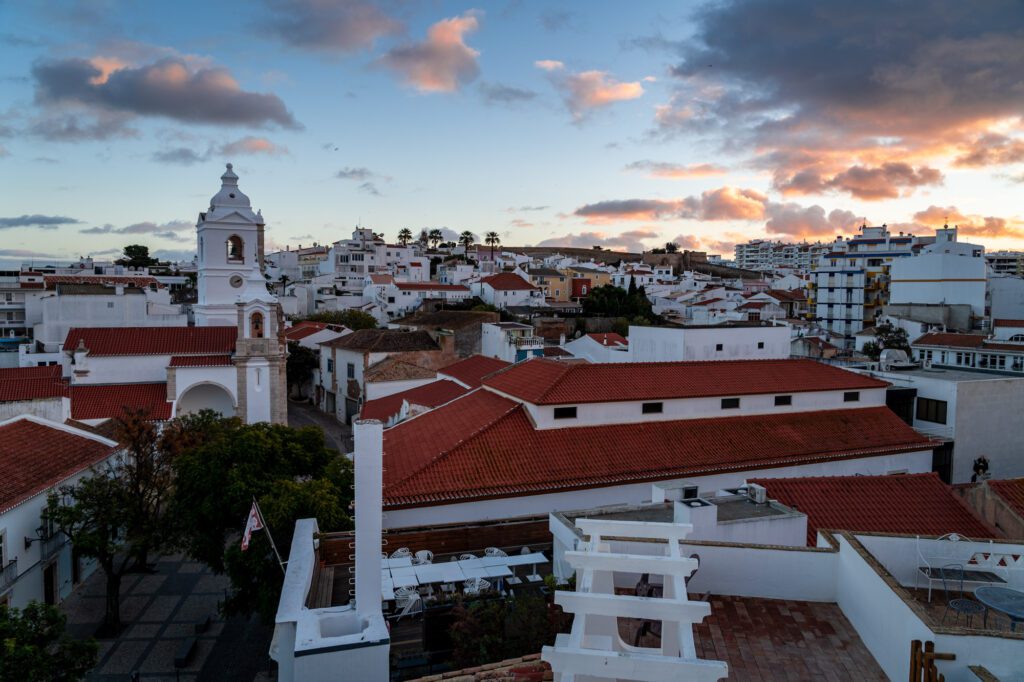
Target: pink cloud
{"type": "Point", "coordinates": [441, 63]}
{"type": "Point", "coordinates": [585, 91]}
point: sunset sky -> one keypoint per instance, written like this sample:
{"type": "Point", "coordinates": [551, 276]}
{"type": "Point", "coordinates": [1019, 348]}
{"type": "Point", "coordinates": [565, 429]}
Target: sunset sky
{"type": "Point", "coordinates": [624, 124]}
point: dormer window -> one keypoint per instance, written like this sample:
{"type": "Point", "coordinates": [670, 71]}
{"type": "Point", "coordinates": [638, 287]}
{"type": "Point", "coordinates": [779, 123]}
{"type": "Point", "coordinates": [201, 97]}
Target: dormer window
{"type": "Point", "coordinates": [236, 249]}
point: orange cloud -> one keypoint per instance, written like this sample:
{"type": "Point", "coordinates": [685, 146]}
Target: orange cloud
{"type": "Point", "coordinates": [441, 63]}
{"type": "Point", "coordinates": [588, 90]}
{"type": "Point", "coordinates": [887, 181]}
{"type": "Point", "coordinates": [676, 171]}
{"type": "Point", "coordinates": [991, 149]}
{"type": "Point", "coordinates": [970, 225]}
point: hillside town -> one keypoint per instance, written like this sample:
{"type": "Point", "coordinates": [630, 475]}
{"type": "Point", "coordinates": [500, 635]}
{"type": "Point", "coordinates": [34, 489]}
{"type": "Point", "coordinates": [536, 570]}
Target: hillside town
{"type": "Point", "coordinates": [389, 341]}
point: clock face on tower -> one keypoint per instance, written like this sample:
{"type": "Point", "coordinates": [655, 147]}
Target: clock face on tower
{"type": "Point", "coordinates": [236, 281]}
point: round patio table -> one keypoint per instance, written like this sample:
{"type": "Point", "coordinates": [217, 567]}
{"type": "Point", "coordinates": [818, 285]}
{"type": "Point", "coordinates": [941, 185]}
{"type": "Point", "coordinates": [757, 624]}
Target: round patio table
{"type": "Point", "coordinates": [1004, 600]}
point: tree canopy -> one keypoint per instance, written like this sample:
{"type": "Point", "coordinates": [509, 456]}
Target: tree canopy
{"type": "Point", "coordinates": [299, 366]}
{"type": "Point", "coordinates": [612, 301]}
{"type": "Point", "coordinates": [136, 256]}
{"type": "Point", "coordinates": [34, 646]}
{"type": "Point", "coordinates": [887, 336]}
{"type": "Point", "coordinates": [353, 319]}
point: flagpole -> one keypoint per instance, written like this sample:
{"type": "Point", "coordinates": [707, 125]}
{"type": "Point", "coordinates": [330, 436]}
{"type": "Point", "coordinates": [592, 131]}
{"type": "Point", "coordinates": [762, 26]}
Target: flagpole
{"type": "Point", "coordinates": [270, 536]}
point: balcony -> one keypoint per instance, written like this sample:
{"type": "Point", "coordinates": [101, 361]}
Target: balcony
{"type": "Point", "coordinates": [9, 574]}
{"type": "Point", "coordinates": [525, 342]}
{"type": "Point", "coordinates": [51, 546]}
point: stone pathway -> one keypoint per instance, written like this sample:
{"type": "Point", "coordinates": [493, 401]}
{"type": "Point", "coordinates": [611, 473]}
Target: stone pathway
{"type": "Point", "coordinates": [338, 436]}
{"type": "Point", "coordinates": [159, 611]}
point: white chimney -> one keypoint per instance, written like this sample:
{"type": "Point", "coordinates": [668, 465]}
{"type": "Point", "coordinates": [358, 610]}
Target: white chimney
{"type": "Point", "coordinates": [369, 455]}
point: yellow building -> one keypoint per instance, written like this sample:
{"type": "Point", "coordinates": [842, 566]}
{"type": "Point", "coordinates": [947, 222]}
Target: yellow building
{"type": "Point", "coordinates": [557, 286]}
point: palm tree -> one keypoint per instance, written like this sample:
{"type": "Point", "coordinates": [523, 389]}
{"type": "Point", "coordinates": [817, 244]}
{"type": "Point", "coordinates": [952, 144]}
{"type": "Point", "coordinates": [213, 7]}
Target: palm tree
{"type": "Point", "coordinates": [671, 247]}
{"type": "Point", "coordinates": [436, 237]}
{"type": "Point", "coordinates": [466, 239]}
{"type": "Point", "coordinates": [492, 239]}
{"type": "Point", "coordinates": [283, 279]}
{"type": "Point", "coordinates": [404, 236]}
{"type": "Point", "coordinates": [424, 238]}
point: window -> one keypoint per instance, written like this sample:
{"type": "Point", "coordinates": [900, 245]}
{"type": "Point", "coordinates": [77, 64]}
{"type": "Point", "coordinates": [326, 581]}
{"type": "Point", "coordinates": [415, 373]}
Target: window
{"type": "Point", "coordinates": [730, 403]}
{"type": "Point", "coordinates": [236, 249]}
{"type": "Point", "coordinates": [110, 304]}
{"type": "Point", "coordinates": [760, 345]}
{"type": "Point", "coordinates": [565, 412]}
{"type": "Point", "coordinates": [781, 400]}
{"type": "Point", "coordinates": [350, 371]}
{"type": "Point", "coordinates": [851, 397]}
{"type": "Point", "coordinates": [330, 365]}
{"type": "Point", "coordinates": [653, 408]}
{"type": "Point", "coordinates": [718, 346]}
{"type": "Point", "coordinates": [931, 410]}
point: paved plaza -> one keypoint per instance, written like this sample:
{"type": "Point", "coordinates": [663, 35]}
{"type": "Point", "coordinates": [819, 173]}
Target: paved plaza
{"type": "Point", "coordinates": [159, 612]}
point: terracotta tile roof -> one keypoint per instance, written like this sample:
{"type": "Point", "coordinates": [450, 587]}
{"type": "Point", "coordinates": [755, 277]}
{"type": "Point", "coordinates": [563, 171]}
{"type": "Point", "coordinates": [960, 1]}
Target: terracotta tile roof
{"type": "Point", "coordinates": [153, 340]}
{"type": "Point", "coordinates": [557, 352]}
{"type": "Point", "coordinates": [301, 330]}
{"type": "Point", "coordinates": [429, 286]}
{"type": "Point", "coordinates": [708, 301]}
{"type": "Point", "coordinates": [381, 279]}
{"type": "Point", "coordinates": [546, 382]}
{"type": "Point", "coordinates": [507, 281]}
{"type": "Point", "coordinates": [752, 305]}
{"type": "Point", "coordinates": [31, 383]}
{"type": "Point", "coordinates": [384, 341]}
{"type": "Point", "coordinates": [139, 281]}
{"type": "Point", "coordinates": [911, 504]}
{"type": "Point", "coordinates": [1008, 323]}
{"type": "Point", "coordinates": [473, 369]}
{"type": "Point", "coordinates": [783, 295]}
{"type": "Point", "coordinates": [394, 368]}
{"type": "Point", "coordinates": [429, 395]}
{"type": "Point", "coordinates": [106, 401]}
{"type": "Point", "coordinates": [222, 360]}
{"type": "Point", "coordinates": [36, 455]}
{"type": "Point", "coordinates": [482, 446]}
{"type": "Point", "coordinates": [610, 339]}
{"type": "Point", "coordinates": [1012, 492]}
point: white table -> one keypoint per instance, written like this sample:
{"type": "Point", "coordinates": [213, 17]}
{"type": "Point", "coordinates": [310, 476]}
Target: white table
{"type": "Point", "coordinates": [531, 559]}
{"type": "Point", "coordinates": [398, 562]}
{"type": "Point", "coordinates": [439, 573]}
{"type": "Point", "coordinates": [404, 577]}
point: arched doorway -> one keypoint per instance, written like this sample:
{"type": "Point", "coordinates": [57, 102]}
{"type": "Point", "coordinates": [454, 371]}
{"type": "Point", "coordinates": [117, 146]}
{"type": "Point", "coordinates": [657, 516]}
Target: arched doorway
{"type": "Point", "coordinates": [206, 397]}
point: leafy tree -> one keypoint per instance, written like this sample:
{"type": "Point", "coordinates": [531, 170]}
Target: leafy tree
{"type": "Point", "coordinates": [612, 301]}
{"type": "Point", "coordinates": [424, 238]}
{"type": "Point", "coordinates": [467, 239]}
{"type": "Point", "coordinates": [289, 471]}
{"type": "Point", "coordinates": [671, 247]}
{"type": "Point", "coordinates": [136, 256]}
{"type": "Point", "coordinates": [436, 237]}
{"type": "Point", "coordinates": [404, 236]}
{"type": "Point", "coordinates": [351, 318]}
{"type": "Point", "coordinates": [489, 630]}
{"type": "Point", "coordinates": [300, 364]}
{"type": "Point", "coordinates": [284, 279]}
{"type": "Point", "coordinates": [34, 646]}
{"type": "Point", "coordinates": [119, 513]}
{"type": "Point", "coordinates": [492, 240]}
{"type": "Point", "coordinates": [887, 336]}
{"type": "Point", "coordinates": [872, 350]}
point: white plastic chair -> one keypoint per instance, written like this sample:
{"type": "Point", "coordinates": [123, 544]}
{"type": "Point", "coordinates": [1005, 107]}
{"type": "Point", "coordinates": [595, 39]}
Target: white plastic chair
{"type": "Point", "coordinates": [401, 552]}
{"type": "Point", "coordinates": [525, 550]}
{"type": "Point", "coordinates": [466, 557]}
{"type": "Point", "coordinates": [424, 556]}
{"type": "Point", "coordinates": [406, 599]}
{"type": "Point", "coordinates": [494, 551]}
{"type": "Point", "coordinates": [475, 586]}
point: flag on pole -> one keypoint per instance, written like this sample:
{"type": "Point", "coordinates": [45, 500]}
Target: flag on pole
{"type": "Point", "coordinates": [254, 523]}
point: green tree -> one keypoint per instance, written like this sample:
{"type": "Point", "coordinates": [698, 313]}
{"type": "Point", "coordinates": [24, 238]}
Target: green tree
{"type": "Point", "coordinates": [492, 240]}
{"type": "Point", "coordinates": [424, 238]}
{"type": "Point", "coordinates": [289, 471]}
{"type": "Point", "coordinates": [467, 239]}
{"type": "Point", "coordinates": [299, 367]}
{"type": "Point", "coordinates": [872, 350]}
{"type": "Point", "coordinates": [436, 237]}
{"type": "Point", "coordinates": [612, 301]}
{"type": "Point", "coordinates": [351, 318]}
{"type": "Point", "coordinates": [136, 256]}
{"type": "Point", "coordinates": [34, 646]}
{"type": "Point", "coordinates": [671, 247]}
{"type": "Point", "coordinates": [404, 236]}
{"type": "Point", "coordinates": [283, 280]}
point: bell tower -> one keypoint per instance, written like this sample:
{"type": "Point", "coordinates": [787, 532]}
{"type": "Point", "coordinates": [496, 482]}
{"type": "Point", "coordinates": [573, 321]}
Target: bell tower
{"type": "Point", "coordinates": [229, 247]}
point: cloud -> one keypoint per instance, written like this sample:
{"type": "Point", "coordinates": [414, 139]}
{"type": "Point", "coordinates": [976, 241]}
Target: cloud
{"type": "Point", "coordinates": [498, 93]}
{"type": "Point", "coordinates": [586, 91]}
{"type": "Point", "coordinates": [675, 171]}
{"type": "Point", "coordinates": [554, 20]}
{"type": "Point", "coordinates": [799, 221]}
{"type": "Point", "coordinates": [246, 146]}
{"type": "Point", "coordinates": [3, 151]}
{"type": "Point", "coordinates": [888, 181]}
{"type": "Point", "coordinates": [341, 26]}
{"type": "Point", "coordinates": [969, 224]}
{"type": "Point", "coordinates": [585, 240]}
{"type": "Point", "coordinates": [302, 237]}
{"type": "Point", "coordinates": [523, 209]}
{"type": "Point", "coordinates": [366, 178]}
{"type": "Point", "coordinates": [180, 155]}
{"type": "Point", "coordinates": [724, 203]}
{"type": "Point", "coordinates": [25, 253]}
{"type": "Point", "coordinates": [57, 126]}
{"type": "Point", "coordinates": [171, 230]}
{"type": "Point", "coordinates": [171, 87]}
{"type": "Point", "coordinates": [441, 63]}
{"type": "Point", "coordinates": [687, 242]}
{"type": "Point", "coordinates": [991, 149]}
{"type": "Point", "coordinates": [46, 222]}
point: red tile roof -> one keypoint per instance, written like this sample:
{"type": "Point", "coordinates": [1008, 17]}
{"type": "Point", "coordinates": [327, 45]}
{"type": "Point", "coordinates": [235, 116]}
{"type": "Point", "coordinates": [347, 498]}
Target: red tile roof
{"type": "Point", "coordinates": [707, 302]}
{"type": "Point", "coordinates": [547, 382]}
{"type": "Point", "coordinates": [911, 504]}
{"type": "Point", "coordinates": [35, 456]}
{"type": "Point", "coordinates": [429, 395]}
{"type": "Point", "coordinates": [429, 286]}
{"type": "Point", "coordinates": [473, 369]}
{"type": "Point", "coordinates": [482, 445]}
{"type": "Point", "coordinates": [223, 360]}
{"type": "Point", "coordinates": [507, 281]}
{"type": "Point", "coordinates": [31, 383]}
{"type": "Point", "coordinates": [153, 340]}
{"type": "Point", "coordinates": [381, 279]}
{"type": "Point", "coordinates": [106, 401]}
{"type": "Point", "coordinates": [1008, 323]}
{"type": "Point", "coordinates": [610, 339]}
{"type": "Point", "coordinates": [1012, 492]}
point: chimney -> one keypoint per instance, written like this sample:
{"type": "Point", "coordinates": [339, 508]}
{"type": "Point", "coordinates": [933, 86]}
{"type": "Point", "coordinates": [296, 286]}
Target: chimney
{"type": "Point", "coordinates": [446, 340]}
{"type": "Point", "coordinates": [369, 474]}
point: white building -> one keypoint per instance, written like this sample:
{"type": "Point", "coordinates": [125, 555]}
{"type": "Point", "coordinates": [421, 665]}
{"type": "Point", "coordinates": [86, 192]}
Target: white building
{"type": "Point", "coordinates": [762, 254]}
{"type": "Point", "coordinates": [507, 289]}
{"type": "Point", "coordinates": [945, 272]}
{"type": "Point", "coordinates": [735, 341]}
{"type": "Point", "coordinates": [394, 299]}
{"type": "Point", "coordinates": [352, 260]}
{"type": "Point", "coordinates": [509, 341]}
{"type": "Point", "coordinates": [605, 347]}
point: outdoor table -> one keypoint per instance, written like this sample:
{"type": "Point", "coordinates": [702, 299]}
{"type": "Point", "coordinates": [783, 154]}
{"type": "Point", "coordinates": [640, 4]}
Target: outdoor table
{"type": "Point", "coordinates": [397, 562]}
{"type": "Point", "coordinates": [474, 571]}
{"type": "Point", "coordinates": [404, 577]}
{"type": "Point", "coordinates": [497, 571]}
{"type": "Point", "coordinates": [493, 560]}
{"type": "Point", "coordinates": [439, 573]}
{"type": "Point", "coordinates": [1004, 600]}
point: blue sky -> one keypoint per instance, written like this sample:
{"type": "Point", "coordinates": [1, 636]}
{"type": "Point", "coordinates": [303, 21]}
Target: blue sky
{"type": "Point", "coordinates": [622, 124]}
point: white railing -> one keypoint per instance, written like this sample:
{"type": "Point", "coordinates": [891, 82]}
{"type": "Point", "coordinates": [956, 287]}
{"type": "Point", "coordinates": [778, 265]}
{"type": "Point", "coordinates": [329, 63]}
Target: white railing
{"type": "Point", "coordinates": [9, 574]}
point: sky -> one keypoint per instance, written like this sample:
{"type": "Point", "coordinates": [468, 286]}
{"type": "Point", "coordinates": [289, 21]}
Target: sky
{"type": "Point", "coordinates": [624, 125]}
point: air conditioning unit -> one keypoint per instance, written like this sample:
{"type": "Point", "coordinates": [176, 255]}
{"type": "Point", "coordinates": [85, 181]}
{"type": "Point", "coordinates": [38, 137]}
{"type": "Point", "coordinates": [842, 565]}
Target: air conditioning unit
{"type": "Point", "coordinates": [757, 494]}
{"type": "Point", "coordinates": [690, 492]}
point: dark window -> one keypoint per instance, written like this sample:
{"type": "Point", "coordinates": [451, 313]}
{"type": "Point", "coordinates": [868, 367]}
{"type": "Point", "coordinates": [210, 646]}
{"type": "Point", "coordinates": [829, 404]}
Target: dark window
{"type": "Point", "coordinates": [783, 400]}
{"type": "Point", "coordinates": [760, 345]}
{"type": "Point", "coordinates": [851, 397]}
{"type": "Point", "coordinates": [330, 365]}
{"type": "Point", "coordinates": [718, 346]}
{"type": "Point", "coordinates": [565, 413]}
{"type": "Point", "coordinates": [653, 408]}
{"type": "Point", "coordinates": [730, 403]}
{"type": "Point", "coordinates": [931, 410]}
{"type": "Point", "coordinates": [351, 371]}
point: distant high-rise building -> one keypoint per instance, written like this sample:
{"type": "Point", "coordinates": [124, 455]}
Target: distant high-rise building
{"type": "Point", "coordinates": [762, 254]}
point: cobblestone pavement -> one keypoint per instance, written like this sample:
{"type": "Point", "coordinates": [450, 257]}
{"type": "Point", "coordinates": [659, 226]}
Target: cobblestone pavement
{"type": "Point", "coordinates": [337, 435]}
{"type": "Point", "coordinates": [159, 612]}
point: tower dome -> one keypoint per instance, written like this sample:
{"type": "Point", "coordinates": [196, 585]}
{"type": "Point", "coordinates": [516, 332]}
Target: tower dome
{"type": "Point", "coordinates": [230, 198]}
